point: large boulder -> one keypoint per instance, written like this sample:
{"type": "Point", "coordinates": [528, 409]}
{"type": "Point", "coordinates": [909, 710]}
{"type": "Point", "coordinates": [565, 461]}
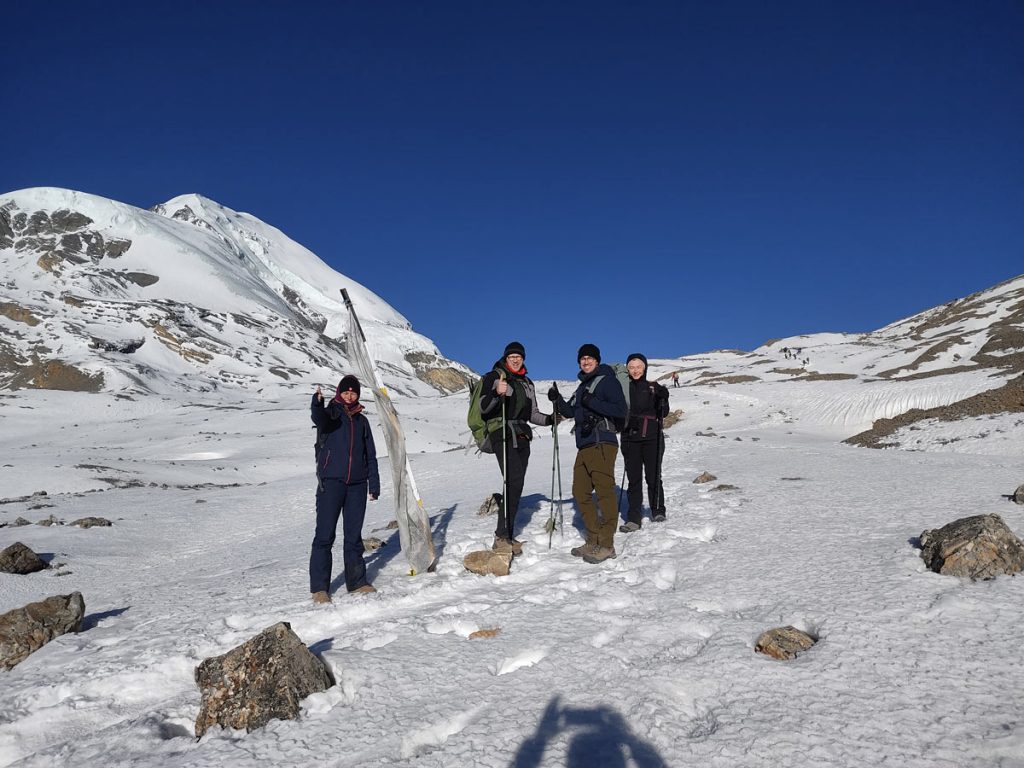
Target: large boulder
{"type": "Point", "coordinates": [24, 631]}
{"type": "Point", "coordinates": [487, 562]}
{"type": "Point", "coordinates": [978, 547]}
{"type": "Point", "coordinates": [19, 559]}
{"type": "Point", "coordinates": [264, 678]}
{"type": "Point", "coordinates": [783, 643]}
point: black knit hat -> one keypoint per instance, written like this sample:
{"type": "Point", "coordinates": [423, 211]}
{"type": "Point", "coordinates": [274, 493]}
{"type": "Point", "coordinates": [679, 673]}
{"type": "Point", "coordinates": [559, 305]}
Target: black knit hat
{"type": "Point", "coordinates": [514, 348]}
{"type": "Point", "coordinates": [348, 384]}
{"type": "Point", "coordinates": [637, 356]}
{"type": "Point", "coordinates": [589, 350]}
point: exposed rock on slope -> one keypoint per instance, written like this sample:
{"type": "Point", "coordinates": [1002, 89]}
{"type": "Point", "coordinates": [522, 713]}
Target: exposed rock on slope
{"type": "Point", "coordinates": [189, 296]}
{"type": "Point", "coordinates": [1008, 398]}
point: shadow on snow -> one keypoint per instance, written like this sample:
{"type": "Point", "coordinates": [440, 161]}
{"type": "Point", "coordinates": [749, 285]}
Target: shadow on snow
{"type": "Point", "coordinates": [596, 735]}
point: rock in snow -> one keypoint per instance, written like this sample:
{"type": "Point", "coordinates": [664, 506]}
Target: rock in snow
{"type": "Point", "coordinates": [264, 678]}
{"type": "Point", "coordinates": [978, 547]}
{"type": "Point", "coordinates": [25, 630]}
{"type": "Point", "coordinates": [1018, 495]}
{"type": "Point", "coordinates": [18, 558]}
{"type": "Point", "coordinates": [486, 562]}
{"type": "Point", "coordinates": [92, 522]}
{"type": "Point", "coordinates": [783, 643]}
{"type": "Point", "coordinates": [491, 506]}
{"type": "Point", "coordinates": [704, 477]}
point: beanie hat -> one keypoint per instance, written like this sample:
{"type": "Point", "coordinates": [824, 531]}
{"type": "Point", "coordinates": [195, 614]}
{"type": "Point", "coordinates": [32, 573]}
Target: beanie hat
{"type": "Point", "coordinates": [637, 356]}
{"type": "Point", "coordinates": [589, 350]}
{"type": "Point", "coordinates": [347, 384]}
{"type": "Point", "coordinates": [514, 348]}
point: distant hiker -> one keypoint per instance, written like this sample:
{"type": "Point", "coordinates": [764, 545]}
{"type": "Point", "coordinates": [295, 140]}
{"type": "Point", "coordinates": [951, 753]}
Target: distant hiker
{"type": "Point", "coordinates": [675, 378]}
{"type": "Point", "coordinates": [597, 402]}
{"type": "Point", "coordinates": [507, 382]}
{"type": "Point", "coordinates": [346, 470]}
{"type": "Point", "coordinates": [643, 443]}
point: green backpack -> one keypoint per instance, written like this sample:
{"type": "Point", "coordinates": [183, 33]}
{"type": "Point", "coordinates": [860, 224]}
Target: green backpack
{"type": "Point", "coordinates": [478, 425]}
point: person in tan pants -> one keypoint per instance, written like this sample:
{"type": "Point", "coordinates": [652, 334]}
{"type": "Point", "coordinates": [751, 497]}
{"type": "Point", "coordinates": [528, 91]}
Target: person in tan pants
{"type": "Point", "coordinates": [596, 405]}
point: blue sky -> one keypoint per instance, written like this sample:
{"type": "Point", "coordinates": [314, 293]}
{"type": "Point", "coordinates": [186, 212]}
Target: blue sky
{"type": "Point", "coordinates": [665, 177]}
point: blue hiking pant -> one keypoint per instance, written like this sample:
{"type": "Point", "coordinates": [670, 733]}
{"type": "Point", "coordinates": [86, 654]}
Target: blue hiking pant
{"type": "Point", "coordinates": [334, 499]}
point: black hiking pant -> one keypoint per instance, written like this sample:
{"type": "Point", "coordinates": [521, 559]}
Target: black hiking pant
{"type": "Point", "coordinates": [644, 458]}
{"type": "Point", "coordinates": [336, 499]}
{"type": "Point", "coordinates": [517, 455]}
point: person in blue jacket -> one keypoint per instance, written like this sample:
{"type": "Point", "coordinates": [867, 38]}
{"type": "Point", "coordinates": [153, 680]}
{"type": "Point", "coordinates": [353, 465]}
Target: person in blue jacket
{"type": "Point", "coordinates": [346, 472]}
{"type": "Point", "coordinates": [597, 403]}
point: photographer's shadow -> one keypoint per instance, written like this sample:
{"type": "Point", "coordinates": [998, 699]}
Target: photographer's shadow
{"type": "Point", "coordinates": [600, 736]}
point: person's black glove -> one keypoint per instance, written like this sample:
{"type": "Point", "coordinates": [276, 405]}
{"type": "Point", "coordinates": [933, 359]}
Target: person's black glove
{"type": "Point", "coordinates": [553, 394]}
{"type": "Point", "coordinates": [549, 419]}
{"type": "Point", "coordinates": [587, 398]}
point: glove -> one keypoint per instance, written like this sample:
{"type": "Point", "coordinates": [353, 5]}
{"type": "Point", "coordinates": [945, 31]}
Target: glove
{"type": "Point", "coordinates": [587, 398]}
{"type": "Point", "coordinates": [549, 419]}
{"type": "Point", "coordinates": [553, 394]}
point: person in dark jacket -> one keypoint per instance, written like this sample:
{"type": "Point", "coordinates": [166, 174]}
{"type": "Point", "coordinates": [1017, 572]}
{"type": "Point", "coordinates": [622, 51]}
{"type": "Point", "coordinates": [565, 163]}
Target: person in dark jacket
{"type": "Point", "coordinates": [596, 404]}
{"type": "Point", "coordinates": [507, 381]}
{"type": "Point", "coordinates": [346, 471]}
{"type": "Point", "coordinates": [643, 443]}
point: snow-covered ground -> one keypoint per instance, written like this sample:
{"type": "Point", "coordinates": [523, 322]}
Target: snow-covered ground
{"type": "Point", "coordinates": [646, 660]}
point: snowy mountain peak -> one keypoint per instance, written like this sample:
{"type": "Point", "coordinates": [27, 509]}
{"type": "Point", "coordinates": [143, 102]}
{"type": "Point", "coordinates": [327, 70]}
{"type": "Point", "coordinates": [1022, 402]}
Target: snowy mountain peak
{"type": "Point", "coordinates": [190, 295]}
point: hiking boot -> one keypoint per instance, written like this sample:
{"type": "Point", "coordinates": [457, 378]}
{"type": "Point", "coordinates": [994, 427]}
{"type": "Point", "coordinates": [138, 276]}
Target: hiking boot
{"type": "Point", "coordinates": [365, 589]}
{"type": "Point", "coordinates": [321, 598]}
{"type": "Point", "coordinates": [659, 518]}
{"type": "Point", "coordinates": [629, 527]}
{"type": "Point", "coordinates": [599, 555]}
{"type": "Point", "coordinates": [504, 545]}
{"type": "Point", "coordinates": [582, 550]}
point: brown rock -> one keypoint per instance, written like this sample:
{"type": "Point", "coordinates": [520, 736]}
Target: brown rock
{"type": "Point", "coordinates": [978, 547]}
{"type": "Point", "coordinates": [672, 419]}
{"type": "Point", "coordinates": [725, 487]}
{"type": "Point", "coordinates": [264, 678]}
{"type": "Point", "coordinates": [704, 477]}
{"type": "Point", "coordinates": [92, 522]}
{"type": "Point", "coordinates": [19, 559]}
{"type": "Point", "coordinates": [24, 631]}
{"type": "Point", "coordinates": [485, 633]}
{"type": "Point", "coordinates": [487, 562]}
{"type": "Point", "coordinates": [491, 506]}
{"type": "Point", "coordinates": [783, 643]}
{"type": "Point", "coordinates": [1018, 495]}
{"type": "Point", "coordinates": [372, 544]}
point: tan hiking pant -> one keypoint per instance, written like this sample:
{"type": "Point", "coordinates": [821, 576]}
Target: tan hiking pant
{"type": "Point", "coordinates": [595, 470]}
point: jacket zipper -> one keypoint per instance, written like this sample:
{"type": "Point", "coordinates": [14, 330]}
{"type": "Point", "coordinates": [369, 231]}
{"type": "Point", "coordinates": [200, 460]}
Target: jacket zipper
{"type": "Point", "coordinates": [351, 445]}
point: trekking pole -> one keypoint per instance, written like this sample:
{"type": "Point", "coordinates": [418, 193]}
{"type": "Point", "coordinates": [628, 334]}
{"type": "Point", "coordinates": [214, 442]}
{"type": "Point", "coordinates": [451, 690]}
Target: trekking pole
{"type": "Point", "coordinates": [554, 462]}
{"type": "Point", "coordinates": [618, 509]}
{"type": "Point", "coordinates": [558, 464]}
{"type": "Point", "coordinates": [551, 519]}
{"type": "Point", "coordinates": [504, 465]}
{"type": "Point", "coordinates": [661, 455]}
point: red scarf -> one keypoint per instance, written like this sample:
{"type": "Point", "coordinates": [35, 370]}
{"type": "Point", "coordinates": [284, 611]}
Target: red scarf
{"type": "Point", "coordinates": [520, 372]}
{"type": "Point", "coordinates": [353, 409]}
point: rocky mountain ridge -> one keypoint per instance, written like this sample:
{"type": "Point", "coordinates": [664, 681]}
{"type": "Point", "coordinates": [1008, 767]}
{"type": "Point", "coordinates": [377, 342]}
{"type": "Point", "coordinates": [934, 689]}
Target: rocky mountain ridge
{"type": "Point", "coordinates": [189, 296]}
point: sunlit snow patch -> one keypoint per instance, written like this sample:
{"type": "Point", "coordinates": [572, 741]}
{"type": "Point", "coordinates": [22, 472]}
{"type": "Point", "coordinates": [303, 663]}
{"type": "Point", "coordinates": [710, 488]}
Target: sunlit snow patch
{"type": "Point", "coordinates": [525, 659]}
{"type": "Point", "coordinates": [424, 740]}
